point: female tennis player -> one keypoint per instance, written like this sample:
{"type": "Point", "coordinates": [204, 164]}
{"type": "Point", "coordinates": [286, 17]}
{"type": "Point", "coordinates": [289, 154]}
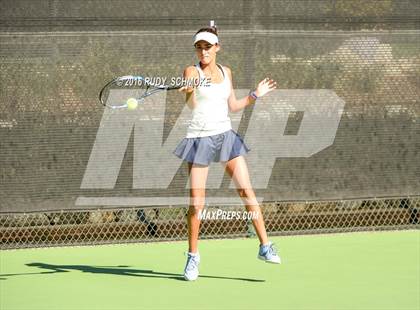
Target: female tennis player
{"type": "Point", "coordinates": [210, 138]}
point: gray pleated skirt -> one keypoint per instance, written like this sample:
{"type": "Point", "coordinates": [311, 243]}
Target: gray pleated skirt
{"type": "Point", "coordinates": [203, 150]}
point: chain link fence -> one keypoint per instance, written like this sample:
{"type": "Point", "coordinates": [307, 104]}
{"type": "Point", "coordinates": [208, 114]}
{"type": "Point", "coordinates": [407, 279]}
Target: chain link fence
{"type": "Point", "coordinates": [69, 228]}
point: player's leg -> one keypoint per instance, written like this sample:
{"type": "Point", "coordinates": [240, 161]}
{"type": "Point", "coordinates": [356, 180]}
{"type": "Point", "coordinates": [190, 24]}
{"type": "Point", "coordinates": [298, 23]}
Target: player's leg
{"type": "Point", "coordinates": [238, 170]}
{"type": "Point", "coordinates": [198, 177]}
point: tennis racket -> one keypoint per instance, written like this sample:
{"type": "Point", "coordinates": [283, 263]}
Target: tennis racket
{"type": "Point", "coordinates": [143, 86]}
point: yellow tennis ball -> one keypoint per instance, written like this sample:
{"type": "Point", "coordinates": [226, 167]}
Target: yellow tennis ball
{"type": "Point", "coordinates": [132, 103]}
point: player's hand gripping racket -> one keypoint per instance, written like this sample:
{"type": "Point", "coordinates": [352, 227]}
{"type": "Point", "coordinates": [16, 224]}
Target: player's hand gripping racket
{"type": "Point", "coordinates": [145, 87]}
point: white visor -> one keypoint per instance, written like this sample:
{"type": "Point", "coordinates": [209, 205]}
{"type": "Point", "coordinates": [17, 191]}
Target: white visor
{"type": "Point", "coordinates": [206, 36]}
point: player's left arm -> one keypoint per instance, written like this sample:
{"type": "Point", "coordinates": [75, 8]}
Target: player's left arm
{"type": "Point", "coordinates": [263, 88]}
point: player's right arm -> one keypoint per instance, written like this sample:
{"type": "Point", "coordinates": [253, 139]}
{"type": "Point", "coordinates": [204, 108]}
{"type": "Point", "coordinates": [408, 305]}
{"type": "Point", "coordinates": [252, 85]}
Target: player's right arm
{"type": "Point", "coordinates": [190, 74]}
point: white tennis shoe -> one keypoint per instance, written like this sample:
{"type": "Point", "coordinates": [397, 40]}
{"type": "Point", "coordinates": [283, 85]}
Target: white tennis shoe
{"type": "Point", "coordinates": [191, 268]}
{"type": "Point", "coordinates": [268, 253]}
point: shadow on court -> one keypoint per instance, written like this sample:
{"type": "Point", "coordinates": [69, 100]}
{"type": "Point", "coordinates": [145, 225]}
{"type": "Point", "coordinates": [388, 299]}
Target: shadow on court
{"type": "Point", "coordinates": [114, 270]}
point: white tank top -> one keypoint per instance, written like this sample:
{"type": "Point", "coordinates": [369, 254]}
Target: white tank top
{"type": "Point", "coordinates": [210, 115]}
